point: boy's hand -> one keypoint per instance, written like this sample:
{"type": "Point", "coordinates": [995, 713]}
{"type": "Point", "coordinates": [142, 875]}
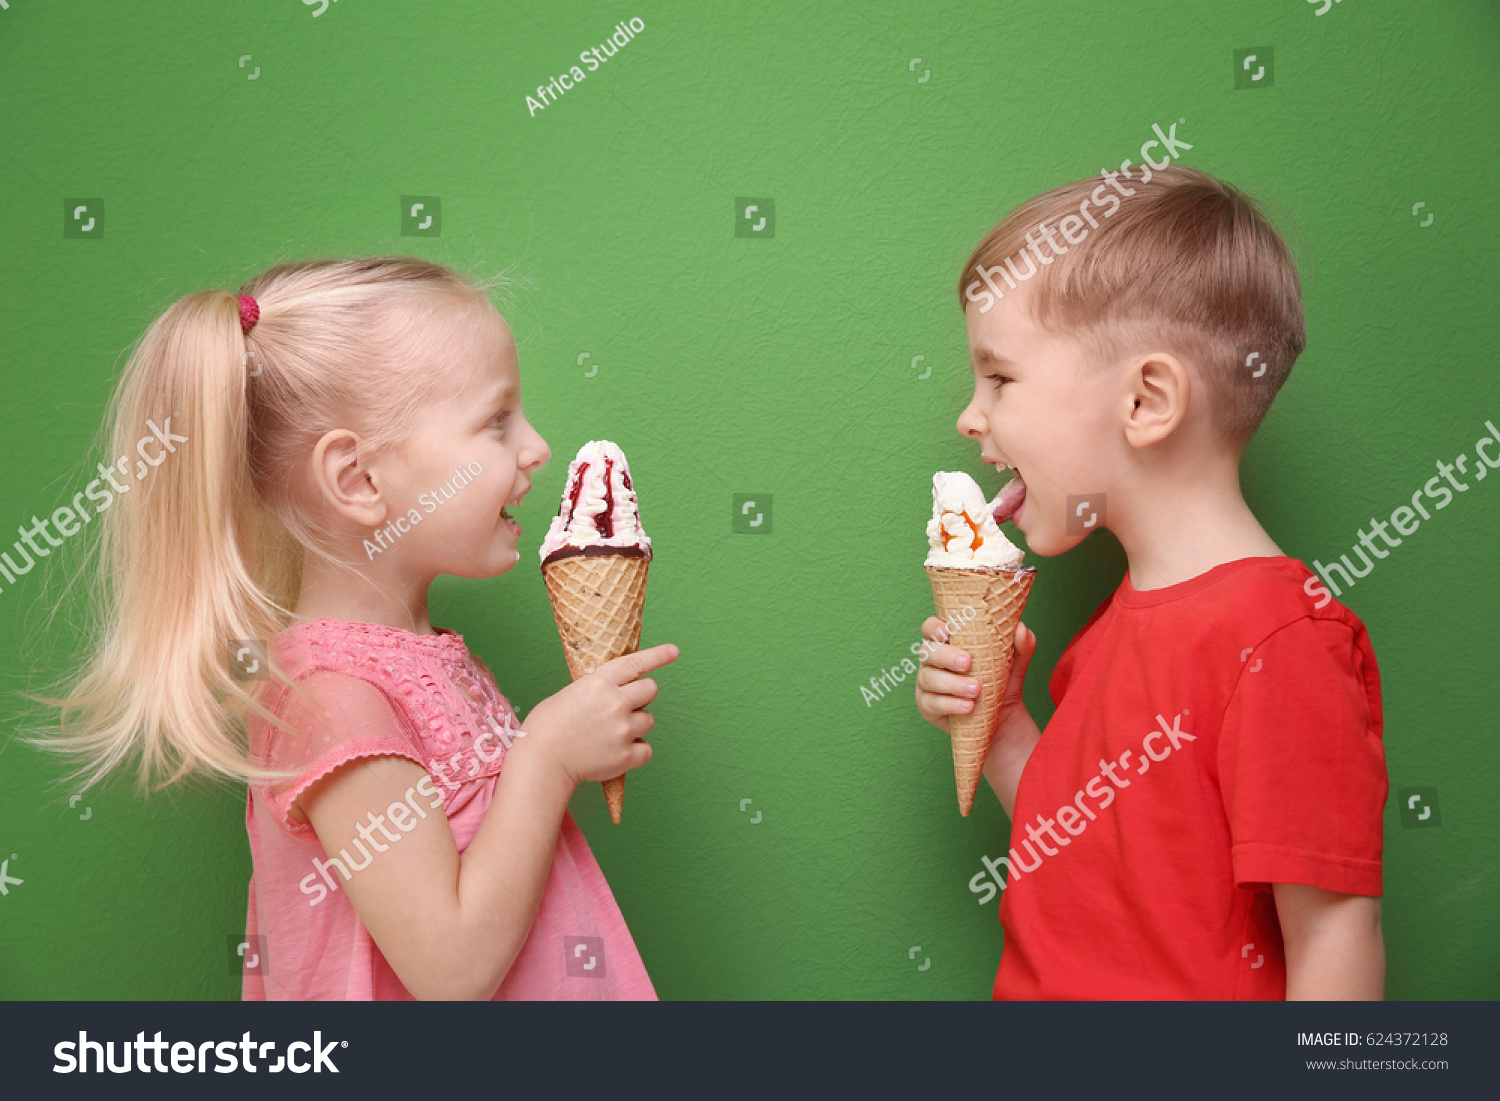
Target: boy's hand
{"type": "Point", "coordinates": [943, 689]}
{"type": "Point", "coordinates": [595, 728]}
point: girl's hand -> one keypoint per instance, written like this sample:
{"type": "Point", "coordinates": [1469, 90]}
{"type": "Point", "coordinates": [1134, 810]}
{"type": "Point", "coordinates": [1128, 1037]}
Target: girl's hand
{"type": "Point", "coordinates": [595, 729]}
{"type": "Point", "coordinates": [943, 689]}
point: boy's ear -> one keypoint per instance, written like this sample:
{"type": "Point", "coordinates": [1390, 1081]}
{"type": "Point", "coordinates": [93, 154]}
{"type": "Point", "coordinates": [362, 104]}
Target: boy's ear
{"type": "Point", "coordinates": [345, 483]}
{"type": "Point", "coordinates": [1159, 390]}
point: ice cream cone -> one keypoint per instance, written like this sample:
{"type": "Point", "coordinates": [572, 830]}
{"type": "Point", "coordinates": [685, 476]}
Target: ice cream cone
{"type": "Point", "coordinates": [597, 600]}
{"type": "Point", "coordinates": [982, 606]}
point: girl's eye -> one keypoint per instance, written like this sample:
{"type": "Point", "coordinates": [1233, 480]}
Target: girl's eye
{"type": "Point", "coordinates": [501, 419]}
{"type": "Point", "coordinates": [998, 380]}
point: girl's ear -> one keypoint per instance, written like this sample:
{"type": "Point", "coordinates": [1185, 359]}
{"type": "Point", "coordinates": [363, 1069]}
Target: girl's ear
{"type": "Point", "coordinates": [345, 484]}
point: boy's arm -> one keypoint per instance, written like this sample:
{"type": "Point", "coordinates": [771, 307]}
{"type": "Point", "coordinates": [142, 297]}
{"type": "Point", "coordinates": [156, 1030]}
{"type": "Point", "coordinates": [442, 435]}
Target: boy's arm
{"type": "Point", "coordinates": [1334, 947]}
{"type": "Point", "coordinates": [1010, 749]}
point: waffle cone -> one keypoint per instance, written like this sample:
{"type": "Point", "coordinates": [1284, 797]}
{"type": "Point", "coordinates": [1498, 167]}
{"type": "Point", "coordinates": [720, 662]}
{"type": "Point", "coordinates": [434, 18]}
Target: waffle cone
{"type": "Point", "coordinates": [997, 597]}
{"type": "Point", "coordinates": [597, 601]}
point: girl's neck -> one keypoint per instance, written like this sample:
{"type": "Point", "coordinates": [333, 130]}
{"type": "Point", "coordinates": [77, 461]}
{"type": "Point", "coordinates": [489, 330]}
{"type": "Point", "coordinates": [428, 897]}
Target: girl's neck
{"type": "Point", "coordinates": [339, 594]}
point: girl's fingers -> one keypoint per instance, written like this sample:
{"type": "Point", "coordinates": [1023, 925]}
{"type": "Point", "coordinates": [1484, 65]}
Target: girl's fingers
{"type": "Point", "coordinates": [641, 752]}
{"type": "Point", "coordinates": [638, 693]}
{"type": "Point", "coordinates": [623, 670]}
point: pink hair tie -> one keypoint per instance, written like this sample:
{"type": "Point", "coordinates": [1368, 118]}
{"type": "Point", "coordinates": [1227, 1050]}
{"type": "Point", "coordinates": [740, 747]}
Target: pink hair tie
{"type": "Point", "coordinates": [249, 312]}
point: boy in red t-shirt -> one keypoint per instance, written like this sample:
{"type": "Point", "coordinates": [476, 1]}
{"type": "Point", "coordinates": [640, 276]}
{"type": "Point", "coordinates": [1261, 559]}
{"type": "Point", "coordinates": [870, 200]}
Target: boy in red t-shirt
{"type": "Point", "coordinates": [1203, 817]}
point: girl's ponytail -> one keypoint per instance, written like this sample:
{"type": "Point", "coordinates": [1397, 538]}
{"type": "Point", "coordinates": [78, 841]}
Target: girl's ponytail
{"type": "Point", "coordinates": [177, 589]}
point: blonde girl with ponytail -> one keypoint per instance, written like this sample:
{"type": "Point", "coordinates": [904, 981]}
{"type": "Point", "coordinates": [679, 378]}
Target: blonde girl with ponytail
{"type": "Point", "coordinates": [343, 432]}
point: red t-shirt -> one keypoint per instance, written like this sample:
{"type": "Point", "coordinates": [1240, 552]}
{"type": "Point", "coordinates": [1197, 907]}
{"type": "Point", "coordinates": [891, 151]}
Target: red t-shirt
{"type": "Point", "coordinates": [1211, 738]}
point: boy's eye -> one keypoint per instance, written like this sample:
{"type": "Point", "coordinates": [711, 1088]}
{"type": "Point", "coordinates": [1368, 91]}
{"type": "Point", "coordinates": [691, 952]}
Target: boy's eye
{"type": "Point", "coordinates": [501, 419]}
{"type": "Point", "coordinates": [998, 380]}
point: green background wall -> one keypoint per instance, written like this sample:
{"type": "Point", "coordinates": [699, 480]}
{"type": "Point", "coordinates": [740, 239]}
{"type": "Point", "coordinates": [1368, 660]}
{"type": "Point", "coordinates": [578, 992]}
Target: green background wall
{"type": "Point", "coordinates": [778, 367]}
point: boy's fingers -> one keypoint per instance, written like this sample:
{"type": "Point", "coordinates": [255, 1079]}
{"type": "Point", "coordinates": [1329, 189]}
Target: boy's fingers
{"type": "Point", "coordinates": [930, 705]}
{"type": "Point", "coordinates": [934, 629]}
{"type": "Point", "coordinates": [948, 657]}
{"type": "Point", "coordinates": [938, 683]}
{"type": "Point", "coordinates": [622, 670]}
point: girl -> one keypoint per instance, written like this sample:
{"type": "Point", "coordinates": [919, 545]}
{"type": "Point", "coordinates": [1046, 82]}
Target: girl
{"type": "Point", "coordinates": [337, 436]}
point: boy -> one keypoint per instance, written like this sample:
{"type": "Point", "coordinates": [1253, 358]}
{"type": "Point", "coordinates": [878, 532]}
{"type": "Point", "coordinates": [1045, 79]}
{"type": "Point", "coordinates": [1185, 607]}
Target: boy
{"type": "Point", "coordinates": [1203, 817]}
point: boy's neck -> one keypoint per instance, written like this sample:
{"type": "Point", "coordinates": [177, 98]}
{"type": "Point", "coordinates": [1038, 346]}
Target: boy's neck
{"type": "Point", "coordinates": [1189, 530]}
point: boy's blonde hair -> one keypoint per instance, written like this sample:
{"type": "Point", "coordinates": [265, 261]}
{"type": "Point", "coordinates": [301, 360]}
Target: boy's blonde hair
{"type": "Point", "coordinates": [1186, 264]}
{"type": "Point", "coordinates": [208, 549]}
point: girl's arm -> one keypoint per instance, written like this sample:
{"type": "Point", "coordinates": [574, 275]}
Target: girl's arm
{"type": "Point", "coordinates": [451, 924]}
{"type": "Point", "coordinates": [1334, 947]}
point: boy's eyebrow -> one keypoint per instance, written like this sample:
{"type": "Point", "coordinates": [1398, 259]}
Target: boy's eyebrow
{"type": "Point", "coordinates": [990, 357]}
{"type": "Point", "coordinates": [498, 393]}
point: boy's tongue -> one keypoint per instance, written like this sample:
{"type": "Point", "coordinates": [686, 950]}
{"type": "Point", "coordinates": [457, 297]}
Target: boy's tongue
{"type": "Point", "coordinates": [1008, 500]}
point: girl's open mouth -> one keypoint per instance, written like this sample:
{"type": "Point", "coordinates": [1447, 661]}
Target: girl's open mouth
{"type": "Point", "coordinates": [505, 515]}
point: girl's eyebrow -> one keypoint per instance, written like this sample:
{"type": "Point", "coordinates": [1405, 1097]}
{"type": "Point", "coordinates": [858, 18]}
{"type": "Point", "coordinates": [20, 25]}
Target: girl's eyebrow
{"type": "Point", "coordinates": [495, 398]}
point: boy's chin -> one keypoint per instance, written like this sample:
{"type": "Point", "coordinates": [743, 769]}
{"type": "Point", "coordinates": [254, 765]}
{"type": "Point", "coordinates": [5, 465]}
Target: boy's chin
{"type": "Point", "coordinates": [1048, 545]}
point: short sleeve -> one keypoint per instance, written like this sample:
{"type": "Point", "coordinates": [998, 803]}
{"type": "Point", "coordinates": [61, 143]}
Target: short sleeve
{"type": "Point", "coordinates": [347, 718]}
{"type": "Point", "coordinates": [1301, 764]}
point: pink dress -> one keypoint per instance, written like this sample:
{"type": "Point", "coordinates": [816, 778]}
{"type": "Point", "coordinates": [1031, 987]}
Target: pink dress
{"type": "Point", "coordinates": [386, 691]}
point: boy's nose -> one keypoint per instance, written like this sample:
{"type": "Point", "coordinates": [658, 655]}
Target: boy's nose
{"type": "Point", "coordinates": [970, 423]}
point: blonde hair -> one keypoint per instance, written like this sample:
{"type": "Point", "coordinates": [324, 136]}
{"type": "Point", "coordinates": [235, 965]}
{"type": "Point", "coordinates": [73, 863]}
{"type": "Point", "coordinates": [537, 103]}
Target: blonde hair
{"type": "Point", "coordinates": [208, 549]}
{"type": "Point", "coordinates": [1186, 264]}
